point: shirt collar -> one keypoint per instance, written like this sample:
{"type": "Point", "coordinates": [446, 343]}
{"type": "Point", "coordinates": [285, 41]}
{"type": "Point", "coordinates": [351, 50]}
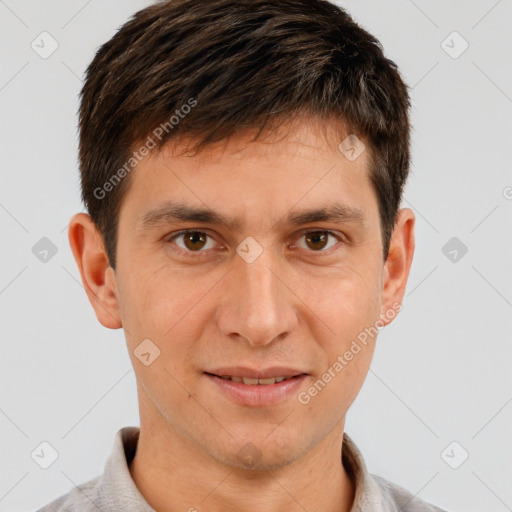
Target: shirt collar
{"type": "Point", "coordinates": [368, 495]}
{"type": "Point", "coordinates": [117, 482]}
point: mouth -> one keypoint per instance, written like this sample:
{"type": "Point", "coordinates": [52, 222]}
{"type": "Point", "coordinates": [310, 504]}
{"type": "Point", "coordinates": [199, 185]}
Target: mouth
{"type": "Point", "coordinates": [253, 381]}
{"type": "Point", "coordinates": [254, 388]}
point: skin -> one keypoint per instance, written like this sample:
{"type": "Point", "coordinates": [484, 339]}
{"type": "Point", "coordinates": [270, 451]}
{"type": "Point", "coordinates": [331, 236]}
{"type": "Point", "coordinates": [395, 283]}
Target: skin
{"type": "Point", "coordinates": [293, 306]}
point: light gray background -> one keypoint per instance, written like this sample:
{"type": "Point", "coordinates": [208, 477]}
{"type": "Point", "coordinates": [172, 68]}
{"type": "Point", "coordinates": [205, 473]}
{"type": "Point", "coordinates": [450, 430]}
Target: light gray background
{"type": "Point", "coordinates": [441, 371]}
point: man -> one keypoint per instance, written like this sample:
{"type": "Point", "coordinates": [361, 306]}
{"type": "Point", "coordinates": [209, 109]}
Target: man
{"type": "Point", "coordinates": [242, 165]}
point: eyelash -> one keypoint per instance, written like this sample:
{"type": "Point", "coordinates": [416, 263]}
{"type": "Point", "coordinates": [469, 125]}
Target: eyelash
{"type": "Point", "coordinates": [196, 254]}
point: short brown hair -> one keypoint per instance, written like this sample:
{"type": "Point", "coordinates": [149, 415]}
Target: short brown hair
{"type": "Point", "coordinates": [240, 64]}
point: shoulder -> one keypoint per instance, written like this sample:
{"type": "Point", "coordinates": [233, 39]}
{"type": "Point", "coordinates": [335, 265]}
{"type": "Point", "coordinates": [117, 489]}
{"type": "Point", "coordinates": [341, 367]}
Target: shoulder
{"type": "Point", "coordinates": [400, 499]}
{"type": "Point", "coordinates": [83, 498]}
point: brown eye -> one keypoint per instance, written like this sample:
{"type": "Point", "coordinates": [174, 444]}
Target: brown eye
{"type": "Point", "coordinates": [318, 241]}
{"type": "Point", "coordinates": [192, 241]}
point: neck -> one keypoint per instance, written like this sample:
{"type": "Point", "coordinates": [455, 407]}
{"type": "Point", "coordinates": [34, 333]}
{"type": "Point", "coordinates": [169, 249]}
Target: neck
{"type": "Point", "coordinates": [173, 474]}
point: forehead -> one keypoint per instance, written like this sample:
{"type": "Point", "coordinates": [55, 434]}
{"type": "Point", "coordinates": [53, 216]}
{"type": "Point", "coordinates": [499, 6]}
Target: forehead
{"type": "Point", "coordinates": [299, 169]}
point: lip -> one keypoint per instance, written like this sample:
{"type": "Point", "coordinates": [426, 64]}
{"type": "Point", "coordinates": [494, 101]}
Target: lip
{"type": "Point", "coordinates": [257, 395]}
{"type": "Point", "coordinates": [266, 373]}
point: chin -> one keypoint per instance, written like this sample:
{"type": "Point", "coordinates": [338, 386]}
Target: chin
{"type": "Point", "coordinates": [262, 452]}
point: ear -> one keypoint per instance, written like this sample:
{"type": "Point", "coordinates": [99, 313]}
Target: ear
{"type": "Point", "coordinates": [98, 277]}
{"type": "Point", "coordinates": [397, 266]}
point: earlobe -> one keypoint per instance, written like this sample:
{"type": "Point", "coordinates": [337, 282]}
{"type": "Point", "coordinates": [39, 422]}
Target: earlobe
{"type": "Point", "coordinates": [398, 264]}
{"type": "Point", "coordinates": [98, 278]}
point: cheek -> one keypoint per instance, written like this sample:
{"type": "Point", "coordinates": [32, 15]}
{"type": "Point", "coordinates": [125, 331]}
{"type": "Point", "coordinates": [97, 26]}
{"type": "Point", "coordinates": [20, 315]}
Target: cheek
{"type": "Point", "coordinates": [347, 300]}
{"type": "Point", "coordinates": [332, 392]}
{"type": "Point", "coordinates": [348, 303]}
{"type": "Point", "coordinates": [347, 356]}
{"type": "Point", "coordinates": [170, 308]}
{"type": "Point", "coordinates": [156, 300]}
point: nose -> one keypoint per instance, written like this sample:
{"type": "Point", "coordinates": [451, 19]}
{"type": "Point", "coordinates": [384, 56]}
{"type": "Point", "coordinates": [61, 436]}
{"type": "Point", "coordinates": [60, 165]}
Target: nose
{"type": "Point", "coordinates": [258, 305]}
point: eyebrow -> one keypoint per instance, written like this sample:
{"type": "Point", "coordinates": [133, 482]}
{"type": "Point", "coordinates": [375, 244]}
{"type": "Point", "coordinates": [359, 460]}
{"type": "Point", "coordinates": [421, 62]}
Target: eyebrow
{"type": "Point", "coordinates": [170, 212]}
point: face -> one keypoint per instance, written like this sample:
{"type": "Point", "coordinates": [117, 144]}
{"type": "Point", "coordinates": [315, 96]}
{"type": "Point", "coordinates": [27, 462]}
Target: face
{"type": "Point", "coordinates": [277, 276]}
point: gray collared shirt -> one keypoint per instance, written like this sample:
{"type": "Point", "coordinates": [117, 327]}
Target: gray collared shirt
{"type": "Point", "coordinates": [115, 490]}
